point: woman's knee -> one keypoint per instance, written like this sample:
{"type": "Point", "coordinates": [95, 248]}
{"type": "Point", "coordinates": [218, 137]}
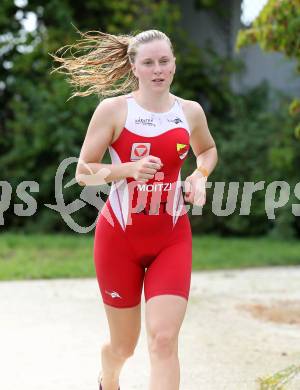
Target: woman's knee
{"type": "Point", "coordinates": [124, 351]}
{"type": "Point", "coordinates": [125, 325]}
{"type": "Point", "coordinates": [120, 351]}
{"type": "Point", "coordinates": [162, 343]}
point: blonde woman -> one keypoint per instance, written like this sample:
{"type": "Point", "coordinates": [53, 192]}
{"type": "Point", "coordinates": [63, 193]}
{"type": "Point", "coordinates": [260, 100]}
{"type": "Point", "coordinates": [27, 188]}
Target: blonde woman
{"type": "Point", "coordinates": [143, 235]}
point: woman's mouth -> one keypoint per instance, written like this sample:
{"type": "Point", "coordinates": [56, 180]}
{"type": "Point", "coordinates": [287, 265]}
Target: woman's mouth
{"type": "Point", "coordinates": [158, 81]}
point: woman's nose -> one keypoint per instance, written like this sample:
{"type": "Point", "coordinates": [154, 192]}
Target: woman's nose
{"type": "Point", "coordinates": [157, 68]}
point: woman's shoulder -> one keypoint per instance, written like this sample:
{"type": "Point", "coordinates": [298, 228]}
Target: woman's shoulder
{"type": "Point", "coordinates": [114, 107]}
{"type": "Point", "coordinates": [114, 102]}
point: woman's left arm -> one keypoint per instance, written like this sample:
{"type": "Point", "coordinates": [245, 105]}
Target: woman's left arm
{"type": "Point", "coordinates": [205, 150]}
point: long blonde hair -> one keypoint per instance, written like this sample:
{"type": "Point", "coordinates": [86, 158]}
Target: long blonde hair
{"type": "Point", "coordinates": [105, 68]}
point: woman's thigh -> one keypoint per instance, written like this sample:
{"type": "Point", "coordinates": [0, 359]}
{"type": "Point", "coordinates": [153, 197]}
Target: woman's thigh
{"type": "Point", "coordinates": [120, 276]}
{"type": "Point", "coordinates": [170, 271]}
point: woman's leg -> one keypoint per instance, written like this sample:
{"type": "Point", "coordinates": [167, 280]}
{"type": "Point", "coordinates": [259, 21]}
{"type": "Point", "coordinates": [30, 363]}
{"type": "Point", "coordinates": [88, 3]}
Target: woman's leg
{"type": "Point", "coordinates": [124, 326]}
{"type": "Point", "coordinates": [120, 278]}
{"type": "Point", "coordinates": [164, 316]}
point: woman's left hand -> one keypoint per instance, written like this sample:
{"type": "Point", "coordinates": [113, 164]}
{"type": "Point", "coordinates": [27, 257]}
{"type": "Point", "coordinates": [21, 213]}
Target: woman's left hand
{"type": "Point", "coordinates": [195, 191]}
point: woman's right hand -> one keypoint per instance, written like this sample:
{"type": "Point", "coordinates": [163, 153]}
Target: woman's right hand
{"type": "Point", "coordinates": [145, 168]}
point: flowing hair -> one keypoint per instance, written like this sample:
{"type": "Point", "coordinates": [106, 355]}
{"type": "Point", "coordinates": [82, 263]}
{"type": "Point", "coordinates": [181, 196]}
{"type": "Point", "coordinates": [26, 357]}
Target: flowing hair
{"type": "Point", "coordinates": [104, 66]}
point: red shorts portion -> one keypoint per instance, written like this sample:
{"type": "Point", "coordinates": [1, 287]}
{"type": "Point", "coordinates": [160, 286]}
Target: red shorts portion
{"type": "Point", "coordinates": [151, 251]}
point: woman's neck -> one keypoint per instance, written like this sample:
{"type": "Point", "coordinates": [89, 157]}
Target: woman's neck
{"type": "Point", "coordinates": [161, 102]}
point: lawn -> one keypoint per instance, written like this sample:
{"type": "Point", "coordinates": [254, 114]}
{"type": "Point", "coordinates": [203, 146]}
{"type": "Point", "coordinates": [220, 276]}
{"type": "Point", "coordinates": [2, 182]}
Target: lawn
{"type": "Point", "coordinates": [35, 256]}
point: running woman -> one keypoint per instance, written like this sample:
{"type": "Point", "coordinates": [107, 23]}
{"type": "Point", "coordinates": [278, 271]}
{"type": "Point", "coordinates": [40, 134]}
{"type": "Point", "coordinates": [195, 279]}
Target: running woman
{"type": "Point", "coordinates": [143, 236]}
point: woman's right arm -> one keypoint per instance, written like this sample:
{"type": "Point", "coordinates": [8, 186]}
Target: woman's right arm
{"type": "Point", "coordinates": [90, 170]}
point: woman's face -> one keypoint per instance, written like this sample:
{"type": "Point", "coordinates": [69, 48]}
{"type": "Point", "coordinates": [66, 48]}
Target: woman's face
{"type": "Point", "coordinates": [154, 65]}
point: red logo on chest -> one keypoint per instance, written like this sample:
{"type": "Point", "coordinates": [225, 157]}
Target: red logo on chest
{"type": "Point", "coordinates": [139, 150]}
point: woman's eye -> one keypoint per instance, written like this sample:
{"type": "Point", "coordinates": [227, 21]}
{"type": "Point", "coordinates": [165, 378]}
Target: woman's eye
{"type": "Point", "coordinates": [149, 62]}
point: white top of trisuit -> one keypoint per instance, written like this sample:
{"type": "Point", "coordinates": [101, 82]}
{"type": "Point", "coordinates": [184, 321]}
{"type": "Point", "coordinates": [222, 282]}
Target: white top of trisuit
{"type": "Point", "coordinates": [147, 123]}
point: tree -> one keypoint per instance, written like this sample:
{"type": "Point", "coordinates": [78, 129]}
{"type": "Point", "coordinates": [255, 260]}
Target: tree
{"type": "Point", "coordinates": [277, 28]}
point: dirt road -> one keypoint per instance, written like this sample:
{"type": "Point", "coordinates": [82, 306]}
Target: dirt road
{"type": "Point", "coordinates": [239, 325]}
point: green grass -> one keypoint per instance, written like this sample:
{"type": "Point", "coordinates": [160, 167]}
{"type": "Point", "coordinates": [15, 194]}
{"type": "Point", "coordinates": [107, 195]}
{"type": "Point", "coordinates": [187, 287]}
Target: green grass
{"type": "Point", "coordinates": [280, 378]}
{"type": "Point", "coordinates": [36, 256]}
{"type": "Point", "coordinates": [210, 252]}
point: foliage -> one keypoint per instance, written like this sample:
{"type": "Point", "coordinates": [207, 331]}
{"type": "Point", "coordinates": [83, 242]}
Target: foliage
{"type": "Point", "coordinates": [276, 381]}
{"type": "Point", "coordinates": [219, 8]}
{"type": "Point", "coordinates": [277, 28]}
{"type": "Point", "coordinates": [254, 144]}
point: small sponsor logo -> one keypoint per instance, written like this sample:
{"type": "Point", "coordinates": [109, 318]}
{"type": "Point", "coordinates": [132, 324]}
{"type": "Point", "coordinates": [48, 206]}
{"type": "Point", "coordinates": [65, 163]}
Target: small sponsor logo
{"type": "Point", "coordinates": [145, 121]}
{"type": "Point", "coordinates": [182, 150]}
{"type": "Point", "coordinates": [113, 294]}
{"type": "Point", "coordinates": [175, 120]}
{"type": "Point", "coordinates": [139, 150]}
{"type": "Point", "coordinates": [155, 187]}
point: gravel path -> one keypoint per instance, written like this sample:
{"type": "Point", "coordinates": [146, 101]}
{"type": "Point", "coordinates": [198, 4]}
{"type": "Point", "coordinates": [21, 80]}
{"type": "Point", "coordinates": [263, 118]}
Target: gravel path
{"type": "Point", "coordinates": [239, 325]}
